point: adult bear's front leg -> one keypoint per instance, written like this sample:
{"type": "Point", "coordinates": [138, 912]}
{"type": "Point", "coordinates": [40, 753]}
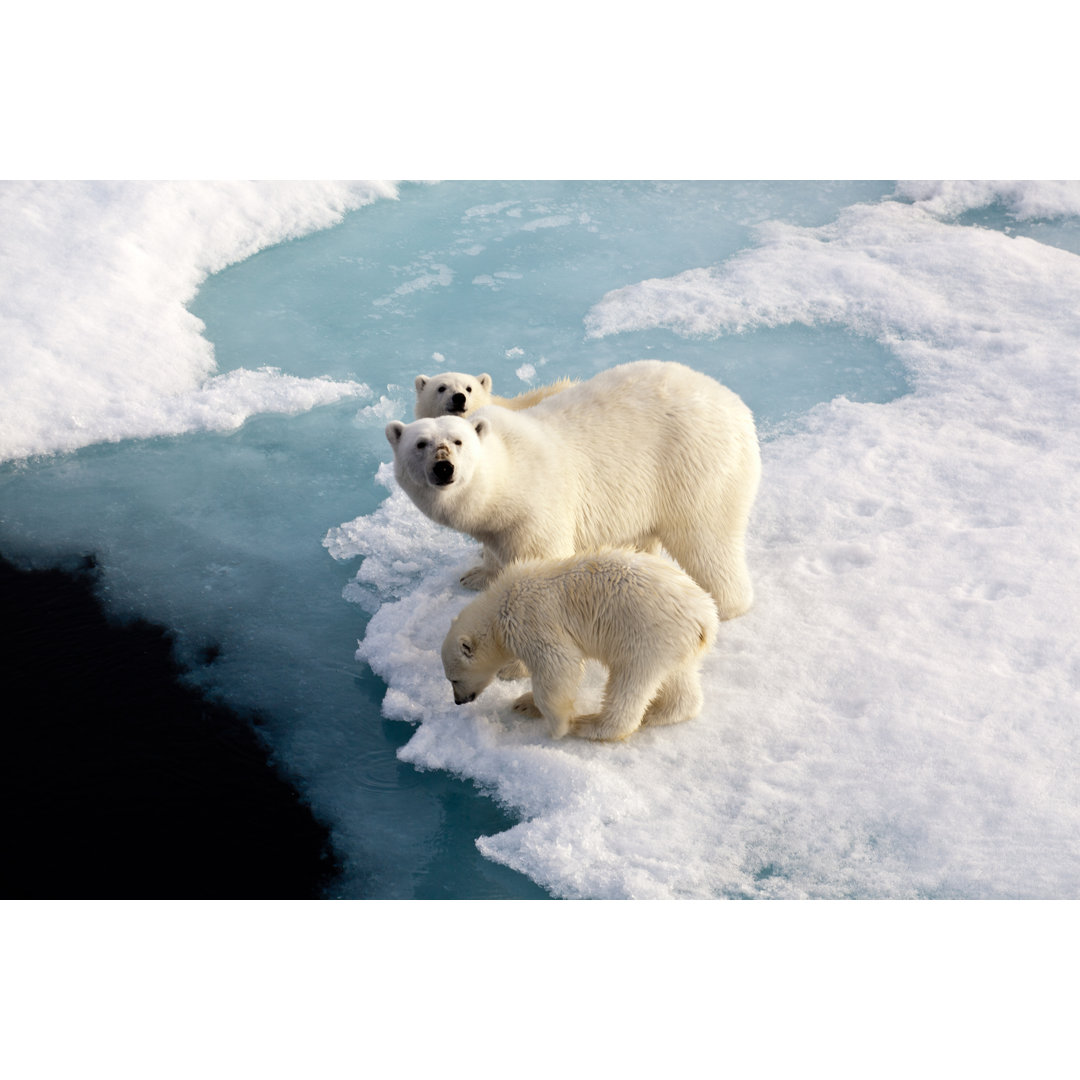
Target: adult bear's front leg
{"type": "Point", "coordinates": [481, 576]}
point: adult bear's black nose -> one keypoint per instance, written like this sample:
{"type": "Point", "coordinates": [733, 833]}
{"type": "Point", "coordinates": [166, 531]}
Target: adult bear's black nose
{"type": "Point", "coordinates": [443, 472]}
{"type": "Point", "coordinates": [457, 402]}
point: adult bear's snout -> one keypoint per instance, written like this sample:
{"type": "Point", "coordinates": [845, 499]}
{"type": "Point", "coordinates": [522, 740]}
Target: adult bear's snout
{"type": "Point", "coordinates": [457, 402]}
{"type": "Point", "coordinates": [443, 471]}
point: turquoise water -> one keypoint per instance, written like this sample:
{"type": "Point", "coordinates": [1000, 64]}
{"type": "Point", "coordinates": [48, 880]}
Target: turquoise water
{"type": "Point", "coordinates": [473, 270]}
{"type": "Point", "coordinates": [218, 536]}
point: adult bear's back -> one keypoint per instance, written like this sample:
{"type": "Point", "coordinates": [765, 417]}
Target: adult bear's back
{"type": "Point", "coordinates": [659, 417]}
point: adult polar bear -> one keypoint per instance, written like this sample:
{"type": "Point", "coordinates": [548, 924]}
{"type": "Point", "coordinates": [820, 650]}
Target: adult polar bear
{"type": "Point", "coordinates": [647, 452]}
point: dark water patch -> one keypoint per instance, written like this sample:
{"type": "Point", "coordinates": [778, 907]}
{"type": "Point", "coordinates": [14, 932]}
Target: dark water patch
{"type": "Point", "coordinates": [121, 782]}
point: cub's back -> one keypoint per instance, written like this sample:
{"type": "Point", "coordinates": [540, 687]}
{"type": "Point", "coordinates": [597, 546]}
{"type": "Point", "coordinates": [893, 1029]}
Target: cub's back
{"type": "Point", "coordinates": [612, 593]}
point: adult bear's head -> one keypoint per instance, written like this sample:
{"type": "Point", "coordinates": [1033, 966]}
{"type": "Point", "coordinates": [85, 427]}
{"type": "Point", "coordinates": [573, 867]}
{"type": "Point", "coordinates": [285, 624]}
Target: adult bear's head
{"type": "Point", "coordinates": [439, 454]}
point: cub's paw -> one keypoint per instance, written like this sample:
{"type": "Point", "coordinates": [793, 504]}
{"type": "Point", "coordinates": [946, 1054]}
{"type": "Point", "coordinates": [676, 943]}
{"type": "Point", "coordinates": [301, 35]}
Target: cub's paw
{"type": "Point", "coordinates": [526, 706]}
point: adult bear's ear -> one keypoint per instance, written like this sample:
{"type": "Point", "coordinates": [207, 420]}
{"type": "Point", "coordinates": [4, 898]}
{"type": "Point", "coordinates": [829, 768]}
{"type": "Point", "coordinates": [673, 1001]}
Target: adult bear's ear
{"type": "Point", "coordinates": [481, 427]}
{"type": "Point", "coordinates": [393, 432]}
{"type": "Point", "coordinates": [421, 382]}
{"type": "Point", "coordinates": [485, 381]}
{"type": "Point", "coordinates": [466, 646]}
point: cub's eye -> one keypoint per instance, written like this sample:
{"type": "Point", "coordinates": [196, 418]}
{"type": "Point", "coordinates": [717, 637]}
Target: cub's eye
{"type": "Point", "coordinates": [421, 443]}
{"type": "Point", "coordinates": [457, 442]}
{"type": "Point", "coordinates": [442, 389]}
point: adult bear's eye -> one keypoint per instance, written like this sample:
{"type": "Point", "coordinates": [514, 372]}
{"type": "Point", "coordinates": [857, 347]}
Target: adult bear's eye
{"type": "Point", "coordinates": [468, 389]}
{"type": "Point", "coordinates": [442, 389]}
{"type": "Point", "coordinates": [421, 443]}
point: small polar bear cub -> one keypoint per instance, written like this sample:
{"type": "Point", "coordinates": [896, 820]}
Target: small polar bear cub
{"type": "Point", "coordinates": [455, 394]}
{"type": "Point", "coordinates": [645, 620]}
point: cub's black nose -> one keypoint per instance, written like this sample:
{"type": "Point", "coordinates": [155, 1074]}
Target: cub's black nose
{"type": "Point", "coordinates": [457, 402]}
{"type": "Point", "coordinates": [443, 471]}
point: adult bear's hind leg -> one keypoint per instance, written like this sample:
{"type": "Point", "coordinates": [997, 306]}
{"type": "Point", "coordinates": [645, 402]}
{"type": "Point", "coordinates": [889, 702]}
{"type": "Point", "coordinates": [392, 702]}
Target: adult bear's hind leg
{"type": "Point", "coordinates": [719, 568]}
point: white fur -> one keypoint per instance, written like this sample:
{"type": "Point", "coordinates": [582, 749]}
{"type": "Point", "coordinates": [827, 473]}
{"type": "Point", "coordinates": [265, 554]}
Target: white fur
{"type": "Point", "coordinates": [456, 394]}
{"type": "Point", "coordinates": [636, 613]}
{"type": "Point", "coordinates": [645, 453]}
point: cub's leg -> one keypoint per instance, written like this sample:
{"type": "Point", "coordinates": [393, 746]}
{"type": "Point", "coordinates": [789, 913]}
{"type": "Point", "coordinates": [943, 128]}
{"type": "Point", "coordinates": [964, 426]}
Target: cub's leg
{"type": "Point", "coordinates": [679, 697]}
{"type": "Point", "coordinates": [626, 698]}
{"type": "Point", "coordinates": [555, 682]}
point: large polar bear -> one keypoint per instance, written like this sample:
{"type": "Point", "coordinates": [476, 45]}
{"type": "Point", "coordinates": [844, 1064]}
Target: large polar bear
{"type": "Point", "coordinates": [455, 394]}
{"type": "Point", "coordinates": [636, 613]}
{"type": "Point", "coordinates": [644, 453]}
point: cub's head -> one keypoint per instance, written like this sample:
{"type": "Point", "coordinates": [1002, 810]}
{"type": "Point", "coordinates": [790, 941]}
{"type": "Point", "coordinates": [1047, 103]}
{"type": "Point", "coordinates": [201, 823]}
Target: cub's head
{"type": "Point", "coordinates": [437, 453]}
{"type": "Point", "coordinates": [470, 655]}
{"type": "Point", "coordinates": [451, 394]}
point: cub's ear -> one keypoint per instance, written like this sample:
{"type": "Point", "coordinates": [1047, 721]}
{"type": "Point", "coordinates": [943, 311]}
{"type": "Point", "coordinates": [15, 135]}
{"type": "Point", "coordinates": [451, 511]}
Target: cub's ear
{"type": "Point", "coordinates": [421, 382]}
{"type": "Point", "coordinates": [393, 432]}
{"type": "Point", "coordinates": [481, 427]}
{"type": "Point", "coordinates": [467, 647]}
{"type": "Point", "coordinates": [485, 381]}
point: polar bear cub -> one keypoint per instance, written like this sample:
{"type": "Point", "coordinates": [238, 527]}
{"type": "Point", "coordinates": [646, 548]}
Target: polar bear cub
{"type": "Point", "coordinates": [636, 613]}
{"type": "Point", "coordinates": [455, 394]}
{"type": "Point", "coordinates": [645, 454]}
